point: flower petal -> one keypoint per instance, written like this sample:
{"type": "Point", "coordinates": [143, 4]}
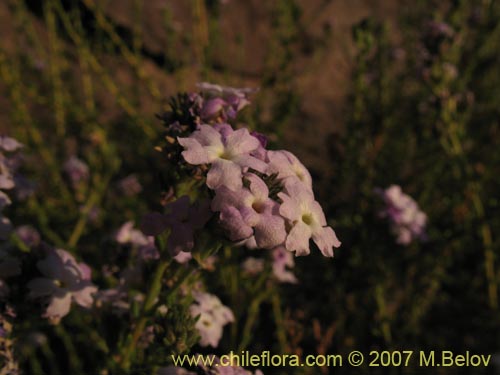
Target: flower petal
{"type": "Point", "coordinates": [298, 239]}
{"type": "Point", "coordinates": [326, 240]}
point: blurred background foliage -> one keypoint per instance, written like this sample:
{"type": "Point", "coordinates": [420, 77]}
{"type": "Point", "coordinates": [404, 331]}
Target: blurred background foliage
{"type": "Point", "coordinates": [367, 94]}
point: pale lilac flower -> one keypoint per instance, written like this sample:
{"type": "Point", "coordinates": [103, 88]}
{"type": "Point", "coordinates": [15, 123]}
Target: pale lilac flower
{"type": "Point", "coordinates": [213, 316]}
{"type": "Point", "coordinates": [65, 281]}
{"type": "Point", "coordinates": [288, 167]}
{"type": "Point", "coordinates": [253, 266]}
{"type": "Point", "coordinates": [76, 170]}
{"type": "Point", "coordinates": [407, 220]}
{"type": "Point", "coordinates": [130, 185]}
{"type": "Point", "coordinates": [282, 260]}
{"type": "Point", "coordinates": [182, 219]}
{"type": "Point", "coordinates": [306, 220]}
{"type": "Point", "coordinates": [227, 150]}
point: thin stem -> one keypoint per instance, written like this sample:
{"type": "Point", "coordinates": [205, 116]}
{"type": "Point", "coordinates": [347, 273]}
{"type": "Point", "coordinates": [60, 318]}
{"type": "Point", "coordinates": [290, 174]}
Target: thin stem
{"type": "Point", "coordinates": [149, 303]}
{"type": "Point", "coordinates": [280, 322]}
{"type": "Point", "coordinates": [253, 312]}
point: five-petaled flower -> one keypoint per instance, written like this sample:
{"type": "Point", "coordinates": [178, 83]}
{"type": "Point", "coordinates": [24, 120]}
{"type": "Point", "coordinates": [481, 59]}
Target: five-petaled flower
{"type": "Point", "coordinates": [65, 281]}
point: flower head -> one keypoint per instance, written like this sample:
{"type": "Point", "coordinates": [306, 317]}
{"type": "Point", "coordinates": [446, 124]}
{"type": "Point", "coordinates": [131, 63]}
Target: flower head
{"type": "Point", "coordinates": [226, 150]}
{"type": "Point", "coordinates": [407, 220]}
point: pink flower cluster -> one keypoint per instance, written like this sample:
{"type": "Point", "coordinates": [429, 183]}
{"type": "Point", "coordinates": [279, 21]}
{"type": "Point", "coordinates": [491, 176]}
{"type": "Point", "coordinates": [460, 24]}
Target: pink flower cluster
{"type": "Point", "coordinates": [407, 220]}
{"type": "Point", "coordinates": [250, 213]}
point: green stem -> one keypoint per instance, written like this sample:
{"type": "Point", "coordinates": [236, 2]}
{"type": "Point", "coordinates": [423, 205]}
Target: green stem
{"type": "Point", "coordinates": [280, 322]}
{"type": "Point", "coordinates": [149, 303]}
{"type": "Point", "coordinates": [253, 312]}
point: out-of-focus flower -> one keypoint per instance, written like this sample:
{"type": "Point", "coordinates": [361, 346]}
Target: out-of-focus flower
{"type": "Point", "coordinates": [24, 188]}
{"type": "Point", "coordinates": [183, 257]}
{"type": "Point", "coordinates": [249, 211]}
{"type": "Point", "coordinates": [283, 259]}
{"type": "Point", "coordinates": [130, 185]}
{"type": "Point", "coordinates": [28, 235]}
{"type": "Point", "coordinates": [213, 316]}
{"type": "Point", "coordinates": [128, 235]}
{"type": "Point", "coordinates": [227, 150]}
{"type": "Point", "coordinates": [439, 29]}
{"type": "Point", "coordinates": [253, 266]}
{"type": "Point", "coordinates": [407, 220]}
{"type": "Point", "coordinates": [9, 144]}
{"type": "Point", "coordinates": [306, 220]}
{"type": "Point", "coordinates": [76, 170]}
{"type": "Point", "coordinates": [182, 219]}
{"type": "Point", "coordinates": [65, 281]}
